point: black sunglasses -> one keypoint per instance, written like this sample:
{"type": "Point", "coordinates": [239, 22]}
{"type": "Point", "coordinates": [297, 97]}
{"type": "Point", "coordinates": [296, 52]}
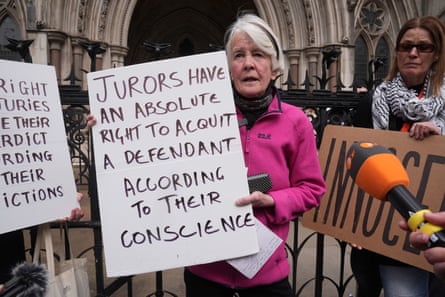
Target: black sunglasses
{"type": "Point", "coordinates": [421, 47]}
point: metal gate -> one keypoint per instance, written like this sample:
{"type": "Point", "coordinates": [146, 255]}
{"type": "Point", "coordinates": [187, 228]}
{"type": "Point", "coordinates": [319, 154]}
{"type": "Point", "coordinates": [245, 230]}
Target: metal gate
{"type": "Point", "coordinates": [323, 107]}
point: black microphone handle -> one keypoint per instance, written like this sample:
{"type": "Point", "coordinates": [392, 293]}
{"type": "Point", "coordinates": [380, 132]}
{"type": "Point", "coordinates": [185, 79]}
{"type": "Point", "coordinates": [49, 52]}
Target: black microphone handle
{"type": "Point", "coordinates": [402, 200]}
{"type": "Point", "coordinates": [407, 205]}
{"type": "Point", "coordinates": [12, 291]}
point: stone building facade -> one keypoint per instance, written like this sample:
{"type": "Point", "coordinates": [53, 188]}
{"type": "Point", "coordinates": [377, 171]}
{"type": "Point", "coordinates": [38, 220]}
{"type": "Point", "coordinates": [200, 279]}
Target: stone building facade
{"type": "Point", "coordinates": [354, 32]}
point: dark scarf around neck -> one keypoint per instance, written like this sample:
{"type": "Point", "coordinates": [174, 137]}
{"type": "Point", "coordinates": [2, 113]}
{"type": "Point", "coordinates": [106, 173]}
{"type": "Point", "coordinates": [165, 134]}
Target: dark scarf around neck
{"type": "Point", "coordinates": [253, 108]}
{"type": "Point", "coordinates": [254, 104]}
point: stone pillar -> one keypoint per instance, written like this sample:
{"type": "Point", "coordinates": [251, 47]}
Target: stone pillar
{"type": "Point", "coordinates": [293, 56]}
{"type": "Point", "coordinates": [99, 62]}
{"type": "Point", "coordinates": [77, 62]}
{"type": "Point", "coordinates": [313, 55]}
{"type": "Point", "coordinates": [331, 53]}
{"type": "Point", "coordinates": [100, 57]}
{"type": "Point", "coordinates": [118, 54]}
{"type": "Point", "coordinates": [56, 41]}
{"type": "Point", "coordinates": [332, 72]}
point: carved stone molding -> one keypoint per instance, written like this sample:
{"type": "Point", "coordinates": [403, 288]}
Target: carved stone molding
{"type": "Point", "coordinates": [309, 21]}
{"type": "Point", "coordinates": [81, 15]}
{"type": "Point", "coordinates": [103, 19]}
{"type": "Point", "coordinates": [289, 22]}
{"type": "Point", "coordinates": [373, 17]}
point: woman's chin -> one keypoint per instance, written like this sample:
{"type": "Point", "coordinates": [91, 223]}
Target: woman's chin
{"type": "Point", "coordinates": [246, 93]}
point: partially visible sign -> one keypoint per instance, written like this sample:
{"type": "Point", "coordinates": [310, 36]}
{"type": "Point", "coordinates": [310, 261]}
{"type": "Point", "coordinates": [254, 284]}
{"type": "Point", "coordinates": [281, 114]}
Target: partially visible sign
{"type": "Point", "coordinates": [349, 214]}
{"type": "Point", "coordinates": [169, 165]}
{"type": "Point", "coordinates": [36, 178]}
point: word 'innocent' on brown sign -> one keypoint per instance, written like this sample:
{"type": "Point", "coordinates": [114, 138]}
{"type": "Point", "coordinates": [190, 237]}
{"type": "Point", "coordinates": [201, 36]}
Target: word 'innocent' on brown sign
{"type": "Point", "coordinates": [348, 213]}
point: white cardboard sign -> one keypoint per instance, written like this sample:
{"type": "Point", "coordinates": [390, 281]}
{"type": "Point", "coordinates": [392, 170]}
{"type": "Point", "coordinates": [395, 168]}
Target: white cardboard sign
{"type": "Point", "coordinates": [36, 177]}
{"type": "Point", "coordinates": [169, 165]}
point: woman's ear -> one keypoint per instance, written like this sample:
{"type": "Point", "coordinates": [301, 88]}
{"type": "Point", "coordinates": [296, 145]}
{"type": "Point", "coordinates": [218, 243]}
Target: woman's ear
{"type": "Point", "coordinates": [274, 74]}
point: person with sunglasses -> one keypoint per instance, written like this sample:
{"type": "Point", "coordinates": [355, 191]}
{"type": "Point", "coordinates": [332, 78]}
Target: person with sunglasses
{"type": "Point", "coordinates": [410, 99]}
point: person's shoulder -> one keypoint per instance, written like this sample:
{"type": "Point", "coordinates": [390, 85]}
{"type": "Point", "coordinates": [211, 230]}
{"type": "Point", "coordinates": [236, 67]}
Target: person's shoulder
{"type": "Point", "coordinates": [295, 110]}
{"type": "Point", "coordinates": [442, 88]}
{"type": "Point", "coordinates": [296, 116]}
{"type": "Point", "coordinates": [383, 85]}
{"type": "Point", "coordinates": [381, 89]}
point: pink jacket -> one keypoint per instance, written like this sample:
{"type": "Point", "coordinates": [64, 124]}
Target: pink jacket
{"type": "Point", "coordinates": [281, 143]}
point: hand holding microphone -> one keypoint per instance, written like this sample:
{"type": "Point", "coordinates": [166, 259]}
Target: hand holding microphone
{"type": "Point", "coordinates": [435, 256]}
{"type": "Point", "coordinates": [379, 172]}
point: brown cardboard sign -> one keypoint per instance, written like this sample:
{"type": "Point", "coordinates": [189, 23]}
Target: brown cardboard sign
{"type": "Point", "coordinates": [349, 214]}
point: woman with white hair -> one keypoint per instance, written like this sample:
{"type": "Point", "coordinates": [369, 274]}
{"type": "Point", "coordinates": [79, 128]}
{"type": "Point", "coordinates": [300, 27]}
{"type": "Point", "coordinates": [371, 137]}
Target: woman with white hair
{"type": "Point", "coordinates": [277, 139]}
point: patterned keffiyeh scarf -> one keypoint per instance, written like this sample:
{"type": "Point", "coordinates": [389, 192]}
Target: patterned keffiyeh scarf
{"type": "Point", "coordinates": [394, 97]}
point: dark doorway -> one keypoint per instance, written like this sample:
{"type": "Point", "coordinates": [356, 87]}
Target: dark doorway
{"type": "Point", "coordinates": [165, 29]}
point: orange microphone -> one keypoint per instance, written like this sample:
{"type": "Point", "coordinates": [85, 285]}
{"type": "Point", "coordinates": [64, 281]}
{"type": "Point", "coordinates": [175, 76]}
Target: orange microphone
{"type": "Point", "coordinates": [377, 171]}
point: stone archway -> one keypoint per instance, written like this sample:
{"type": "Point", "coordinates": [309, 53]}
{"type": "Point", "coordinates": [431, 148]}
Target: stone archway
{"type": "Point", "coordinates": [183, 27]}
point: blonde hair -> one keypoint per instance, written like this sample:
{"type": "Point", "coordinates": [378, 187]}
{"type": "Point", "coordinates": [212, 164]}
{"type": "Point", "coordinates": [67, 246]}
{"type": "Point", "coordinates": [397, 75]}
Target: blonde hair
{"type": "Point", "coordinates": [261, 34]}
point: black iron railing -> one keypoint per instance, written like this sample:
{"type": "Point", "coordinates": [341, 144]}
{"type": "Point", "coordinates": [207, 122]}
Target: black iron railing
{"type": "Point", "coordinates": [321, 106]}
